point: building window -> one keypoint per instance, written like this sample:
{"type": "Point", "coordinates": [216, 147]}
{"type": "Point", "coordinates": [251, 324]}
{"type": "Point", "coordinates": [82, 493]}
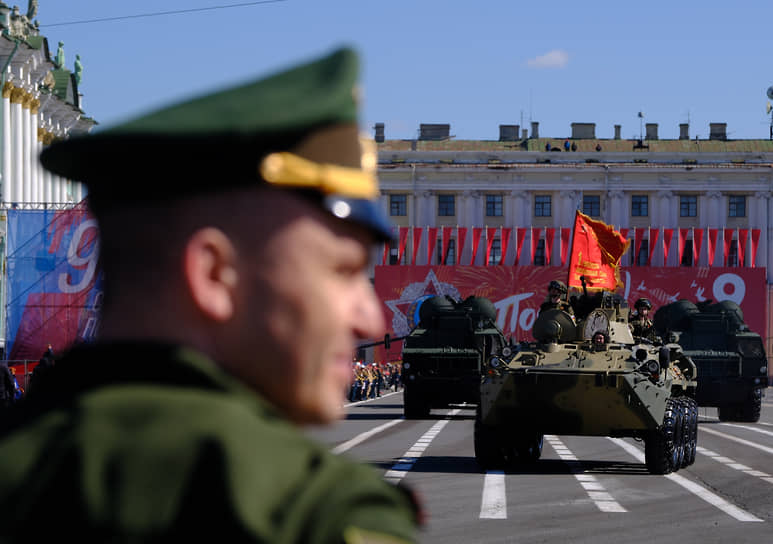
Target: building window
{"type": "Point", "coordinates": [732, 256]}
{"type": "Point", "coordinates": [539, 253]}
{"type": "Point", "coordinates": [398, 205]}
{"type": "Point", "coordinates": [494, 205]}
{"type": "Point", "coordinates": [737, 206]}
{"type": "Point", "coordinates": [496, 252]}
{"type": "Point", "coordinates": [450, 257]}
{"type": "Point", "coordinates": [640, 205]}
{"type": "Point", "coordinates": [446, 205]}
{"type": "Point", "coordinates": [542, 206]}
{"type": "Point", "coordinates": [688, 206]}
{"type": "Point", "coordinates": [591, 205]}
{"type": "Point", "coordinates": [687, 255]}
{"type": "Point", "coordinates": [641, 258]}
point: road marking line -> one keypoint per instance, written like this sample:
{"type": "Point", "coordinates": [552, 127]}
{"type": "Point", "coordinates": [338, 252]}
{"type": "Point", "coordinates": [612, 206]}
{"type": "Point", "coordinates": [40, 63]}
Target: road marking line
{"type": "Point", "coordinates": [595, 489]}
{"type": "Point", "coordinates": [766, 424]}
{"type": "Point", "coordinates": [748, 428]}
{"type": "Point", "coordinates": [739, 440]}
{"type": "Point", "coordinates": [409, 458]}
{"type": "Point", "coordinates": [737, 466]}
{"type": "Point", "coordinates": [364, 436]}
{"type": "Point", "coordinates": [697, 490]}
{"type": "Point", "coordinates": [357, 403]}
{"type": "Point", "coordinates": [493, 503]}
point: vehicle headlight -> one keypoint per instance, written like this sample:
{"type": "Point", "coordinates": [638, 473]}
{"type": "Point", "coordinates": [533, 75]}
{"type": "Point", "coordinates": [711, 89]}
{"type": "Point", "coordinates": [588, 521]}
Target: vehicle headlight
{"type": "Point", "coordinates": [507, 351]}
{"type": "Point", "coordinates": [763, 369]}
{"type": "Point", "coordinates": [494, 362]}
{"type": "Point", "coordinates": [406, 365]}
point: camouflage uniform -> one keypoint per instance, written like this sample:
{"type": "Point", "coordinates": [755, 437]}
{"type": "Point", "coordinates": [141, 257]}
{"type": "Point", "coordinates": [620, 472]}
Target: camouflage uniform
{"type": "Point", "coordinates": [640, 324]}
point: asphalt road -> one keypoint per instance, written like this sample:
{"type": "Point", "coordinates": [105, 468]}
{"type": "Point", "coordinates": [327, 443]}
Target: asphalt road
{"type": "Point", "coordinates": [583, 489]}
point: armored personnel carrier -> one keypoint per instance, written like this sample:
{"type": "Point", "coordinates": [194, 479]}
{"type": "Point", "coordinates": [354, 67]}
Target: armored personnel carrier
{"type": "Point", "coordinates": [587, 377]}
{"type": "Point", "coordinates": [730, 358]}
{"type": "Point", "coordinates": [444, 354]}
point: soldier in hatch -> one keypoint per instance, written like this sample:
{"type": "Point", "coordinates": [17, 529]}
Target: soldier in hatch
{"type": "Point", "coordinates": [556, 298]}
{"type": "Point", "coordinates": [641, 325]}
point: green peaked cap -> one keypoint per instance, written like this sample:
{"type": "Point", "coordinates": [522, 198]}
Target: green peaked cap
{"type": "Point", "coordinates": [217, 141]}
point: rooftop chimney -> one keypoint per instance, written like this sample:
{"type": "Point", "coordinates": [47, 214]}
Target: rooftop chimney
{"type": "Point", "coordinates": [583, 131]}
{"type": "Point", "coordinates": [652, 131]}
{"type": "Point", "coordinates": [432, 131]}
{"type": "Point", "coordinates": [534, 129]}
{"type": "Point", "coordinates": [524, 134]}
{"type": "Point", "coordinates": [508, 133]}
{"type": "Point", "coordinates": [684, 131]}
{"type": "Point", "coordinates": [617, 132]}
{"type": "Point", "coordinates": [379, 132]}
{"type": "Point", "coordinates": [717, 131]}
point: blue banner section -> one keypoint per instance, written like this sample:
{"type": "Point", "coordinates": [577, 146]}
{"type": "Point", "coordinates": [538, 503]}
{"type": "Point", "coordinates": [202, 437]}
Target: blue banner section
{"type": "Point", "coordinates": [53, 289]}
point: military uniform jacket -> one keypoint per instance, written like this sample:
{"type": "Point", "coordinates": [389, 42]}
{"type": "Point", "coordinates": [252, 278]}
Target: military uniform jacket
{"type": "Point", "coordinates": [138, 443]}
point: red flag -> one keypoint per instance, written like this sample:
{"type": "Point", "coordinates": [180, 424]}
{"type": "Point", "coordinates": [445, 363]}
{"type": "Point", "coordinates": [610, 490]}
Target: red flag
{"type": "Point", "coordinates": [491, 234]}
{"type": "Point", "coordinates": [446, 241]}
{"type": "Point", "coordinates": [550, 235]}
{"type": "Point", "coordinates": [755, 244]}
{"type": "Point", "coordinates": [476, 233]}
{"type": "Point", "coordinates": [596, 252]}
{"type": "Point", "coordinates": [712, 247]}
{"type": "Point", "coordinates": [461, 235]}
{"type": "Point", "coordinates": [403, 242]}
{"type": "Point", "coordinates": [728, 235]}
{"type": "Point", "coordinates": [639, 236]}
{"type": "Point", "coordinates": [624, 233]}
{"type": "Point", "coordinates": [520, 235]}
{"type": "Point", "coordinates": [417, 231]}
{"type": "Point", "coordinates": [535, 236]}
{"type": "Point", "coordinates": [697, 241]}
{"type": "Point", "coordinates": [680, 243]}
{"type": "Point", "coordinates": [668, 234]}
{"type": "Point", "coordinates": [386, 253]}
{"type": "Point", "coordinates": [653, 241]}
{"type": "Point", "coordinates": [505, 242]}
{"type": "Point", "coordinates": [743, 235]}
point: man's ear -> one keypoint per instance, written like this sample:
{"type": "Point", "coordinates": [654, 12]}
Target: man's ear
{"type": "Point", "coordinates": [209, 265]}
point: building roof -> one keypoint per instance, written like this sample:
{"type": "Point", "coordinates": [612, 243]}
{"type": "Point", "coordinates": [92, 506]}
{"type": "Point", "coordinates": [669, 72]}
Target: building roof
{"type": "Point", "coordinates": [583, 145]}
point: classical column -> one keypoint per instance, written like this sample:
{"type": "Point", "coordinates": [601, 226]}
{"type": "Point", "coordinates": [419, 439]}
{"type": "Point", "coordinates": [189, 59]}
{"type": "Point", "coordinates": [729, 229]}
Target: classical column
{"type": "Point", "coordinates": [617, 208]}
{"type": "Point", "coordinates": [520, 210]}
{"type": "Point", "coordinates": [8, 194]}
{"type": "Point", "coordinates": [761, 219]}
{"type": "Point", "coordinates": [716, 216]}
{"type": "Point", "coordinates": [17, 150]}
{"type": "Point", "coordinates": [569, 203]}
{"type": "Point", "coordinates": [663, 216]}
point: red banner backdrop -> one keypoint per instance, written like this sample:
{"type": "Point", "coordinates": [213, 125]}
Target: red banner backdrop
{"type": "Point", "coordinates": [743, 236]}
{"type": "Point", "coordinates": [417, 231]}
{"type": "Point", "coordinates": [518, 291]}
{"type": "Point", "coordinates": [520, 235]}
{"type": "Point", "coordinates": [505, 243]}
{"type": "Point", "coordinates": [653, 240]}
{"type": "Point", "coordinates": [550, 234]}
{"type": "Point", "coordinates": [431, 242]}
{"type": "Point", "coordinates": [476, 234]}
{"type": "Point", "coordinates": [755, 243]}
{"type": "Point", "coordinates": [566, 235]}
{"type": "Point", "coordinates": [668, 234]}
{"type": "Point", "coordinates": [447, 231]}
{"type": "Point", "coordinates": [535, 236]}
{"type": "Point", "coordinates": [697, 241]}
{"type": "Point", "coordinates": [713, 234]}
{"type": "Point", "coordinates": [403, 237]}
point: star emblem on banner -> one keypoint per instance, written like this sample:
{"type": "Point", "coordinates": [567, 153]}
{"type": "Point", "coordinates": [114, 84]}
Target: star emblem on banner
{"type": "Point", "coordinates": [405, 310]}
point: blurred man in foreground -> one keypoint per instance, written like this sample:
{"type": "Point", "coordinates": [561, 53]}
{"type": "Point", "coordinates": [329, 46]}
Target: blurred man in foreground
{"type": "Point", "coordinates": [235, 235]}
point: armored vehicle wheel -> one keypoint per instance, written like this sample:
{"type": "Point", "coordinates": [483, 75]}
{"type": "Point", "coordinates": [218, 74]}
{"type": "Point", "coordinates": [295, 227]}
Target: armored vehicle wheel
{"type": "Point", "coordinates": [528, 449]}
{"type": "Point", "coordinates": [414, 407]}
{"type": "Point", "coordinates": [488, 450]}
{"type": "Point", "coordinates": [679, 435]}
{"type": "Point", "coordinates": [690, 432]}
{"type": "Point", "coordinates": [662, 446]}
{"type": "Point", "coordinates": [751, 410]}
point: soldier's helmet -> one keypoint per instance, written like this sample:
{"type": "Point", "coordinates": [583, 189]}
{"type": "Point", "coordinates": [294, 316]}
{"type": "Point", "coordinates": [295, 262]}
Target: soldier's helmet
{"type": "Point", "coordinates": [558, 286]}
{"type": "Point", "coordinates": [643, 303]}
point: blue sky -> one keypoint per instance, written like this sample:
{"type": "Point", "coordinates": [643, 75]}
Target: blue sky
{"type": "Point", "coordinates": [475, 65]}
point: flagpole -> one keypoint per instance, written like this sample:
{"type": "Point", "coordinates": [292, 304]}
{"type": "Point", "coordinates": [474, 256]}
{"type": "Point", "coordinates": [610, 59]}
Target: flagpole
{"type": "Point", "coordinates": [571, 249]}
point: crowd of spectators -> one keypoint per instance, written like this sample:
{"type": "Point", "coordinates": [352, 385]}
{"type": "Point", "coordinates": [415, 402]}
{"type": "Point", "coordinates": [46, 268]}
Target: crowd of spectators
{"type": "Point", "coordinates": [370, 379]}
